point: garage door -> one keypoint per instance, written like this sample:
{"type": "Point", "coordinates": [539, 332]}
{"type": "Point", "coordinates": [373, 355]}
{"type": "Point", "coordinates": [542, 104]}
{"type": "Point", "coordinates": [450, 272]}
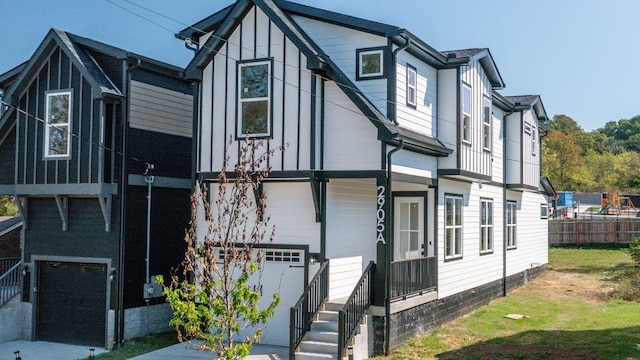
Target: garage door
{"type": "Point", "coordinates": [283, 273]}
{"type": "Point", "coordinates": [71, 305]}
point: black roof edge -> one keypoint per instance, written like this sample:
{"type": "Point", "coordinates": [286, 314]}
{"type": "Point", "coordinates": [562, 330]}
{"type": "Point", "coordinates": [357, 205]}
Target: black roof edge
{"type": "Point", "coordinates": [547, 186]}
{"type": "Point", "coordinates": [7, 76]}
{"type": "Point", "coordinates": [502, 102]}
{"type": "Point", "coordinates": [204, 26]}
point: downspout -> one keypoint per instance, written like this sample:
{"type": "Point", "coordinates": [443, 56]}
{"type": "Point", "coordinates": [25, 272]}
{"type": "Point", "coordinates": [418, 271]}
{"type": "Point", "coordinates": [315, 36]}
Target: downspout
{"type": "Point", "coordinates": [504, 203]}
{"type": "Point", "coordinates": [394, 84]}
{"type": "Point", "coordinates": [387, 275]}
{"type": "Point", "coordinates": [123, 205]}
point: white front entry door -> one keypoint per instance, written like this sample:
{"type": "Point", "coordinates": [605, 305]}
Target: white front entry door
{"type": "Point", "coordinates": [408, 228]}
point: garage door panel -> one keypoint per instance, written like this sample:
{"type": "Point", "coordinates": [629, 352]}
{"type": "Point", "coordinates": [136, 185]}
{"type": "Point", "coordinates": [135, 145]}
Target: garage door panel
{"type": "Point", "coordinates": [71, 305]}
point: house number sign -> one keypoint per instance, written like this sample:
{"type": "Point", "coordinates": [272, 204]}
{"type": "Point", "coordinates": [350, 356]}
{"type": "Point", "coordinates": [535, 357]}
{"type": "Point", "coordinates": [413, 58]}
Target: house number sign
{"type": "Point", "coordinates": [380, 215]}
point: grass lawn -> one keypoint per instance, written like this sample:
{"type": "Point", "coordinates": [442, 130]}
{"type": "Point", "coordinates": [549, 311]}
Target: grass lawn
{"type": "Point", "coordinates": [141, 345]}
{"type": "Point", "coordinates": [573, 311]}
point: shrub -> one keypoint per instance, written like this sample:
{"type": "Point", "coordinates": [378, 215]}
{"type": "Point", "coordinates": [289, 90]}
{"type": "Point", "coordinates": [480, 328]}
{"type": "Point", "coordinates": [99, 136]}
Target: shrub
{"type": "Point", "coordinates": [634, 250]}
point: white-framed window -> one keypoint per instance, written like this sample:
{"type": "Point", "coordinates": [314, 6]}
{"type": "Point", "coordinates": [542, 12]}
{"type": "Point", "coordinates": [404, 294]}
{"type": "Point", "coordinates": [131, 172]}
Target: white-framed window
{"type": "Point", "coordinates": [370, 63]}
{"type": "Point", "coordinates": [544, 211]}
{"type": "Point", "coordinates": [511, 224]}
{"type": "Point", "coordinates": [486, 226]}
{"type": "Point", "coordinates": [466, 113]}
{"type": "Point", "coordinates": [486, 125]}
{"type": "Point", "coordinates": [408, 227]}
{"type": "Point", "coordinates": [527, 128]}
{"type": "Point", "coordinates": [453, 226]}
{"type": "Point", "coordinates": [57, 137]}
{"type": "Point", "coordinates": [254, 98]}
{"type": "Point", "coordinates": [533, 140]}
{"type": "Point", "coordinates": [412, 86]}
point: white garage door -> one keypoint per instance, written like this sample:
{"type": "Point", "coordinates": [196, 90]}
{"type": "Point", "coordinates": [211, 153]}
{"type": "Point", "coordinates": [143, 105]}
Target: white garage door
{"type": "Point", "coordinates": [283, 273]}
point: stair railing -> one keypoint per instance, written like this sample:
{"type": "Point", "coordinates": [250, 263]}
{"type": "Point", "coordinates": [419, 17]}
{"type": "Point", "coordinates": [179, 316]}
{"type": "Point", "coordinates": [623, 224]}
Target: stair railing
{"type": "Point", "coordinates": [303, 312]}
{"type": "Point", "coordinates": [354, 309]}
{"type": "Point", "coordinates": [10, 283]}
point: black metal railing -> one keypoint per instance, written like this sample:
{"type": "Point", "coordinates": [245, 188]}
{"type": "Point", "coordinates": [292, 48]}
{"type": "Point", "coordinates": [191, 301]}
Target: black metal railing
{"type": "Point", "coordinates": [353, 311]}
{"type": "Point", "coordinates": [10, 282]}
{"type": "Point", "coordinates": [302, 313]}
{"type": "Point", "coordinates": [413, 276]}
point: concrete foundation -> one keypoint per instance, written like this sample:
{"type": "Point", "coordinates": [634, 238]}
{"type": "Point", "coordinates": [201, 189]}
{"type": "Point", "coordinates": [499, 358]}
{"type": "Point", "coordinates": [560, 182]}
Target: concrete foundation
{"type": "Point", "coordinates": [146, 320]}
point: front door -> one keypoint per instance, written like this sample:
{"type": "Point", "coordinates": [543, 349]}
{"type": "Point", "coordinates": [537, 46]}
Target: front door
{"type": "Point", "coordinates": [408, 228]}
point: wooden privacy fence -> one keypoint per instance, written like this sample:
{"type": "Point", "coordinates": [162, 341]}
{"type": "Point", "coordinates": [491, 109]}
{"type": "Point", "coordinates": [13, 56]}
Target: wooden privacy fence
{"type": "Point", "coordinates": [615, 231]}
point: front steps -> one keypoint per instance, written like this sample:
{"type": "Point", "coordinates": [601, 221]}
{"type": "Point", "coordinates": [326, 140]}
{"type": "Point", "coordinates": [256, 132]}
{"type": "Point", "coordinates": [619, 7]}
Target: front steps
{"type": "Point", "coordinates": [321, 342]}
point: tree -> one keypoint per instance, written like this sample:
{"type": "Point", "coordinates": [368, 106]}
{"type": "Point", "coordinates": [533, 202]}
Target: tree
{"type": "Point", "coordinates": [7, 206]}
{"type": "Point", "coordinates": [562, 159]}
{"type": "Point", "coordinates": [565, 124]}
{"type": "Point", "coordinates": [217, 298]}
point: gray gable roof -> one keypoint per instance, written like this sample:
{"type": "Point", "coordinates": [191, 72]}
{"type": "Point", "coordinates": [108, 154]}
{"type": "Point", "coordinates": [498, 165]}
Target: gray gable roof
{"type": "Point", "coordinates": [464, 56]}
{"type": "Point", "coordinates": [7, 223]}
{"type": "Point", "coordinates": [522, 102]}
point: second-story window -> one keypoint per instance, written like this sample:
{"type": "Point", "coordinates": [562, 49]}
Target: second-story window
{"type": "Point", "coordinates": [254, 86]}
{"type": "Point", "coordinates": [370, 63]}
{"type": "Point", "coordinates": [57, 137]}
{"type": "Point", "coordinates": [486, 125]}
{"type": "Point", "coordinates": [466, 114]}
{"type": "Point", "coordinates": [412, 86]}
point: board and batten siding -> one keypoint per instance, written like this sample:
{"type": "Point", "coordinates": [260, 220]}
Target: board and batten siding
{"type": "Point", "coordinates": [531, 151]}
{"type": "Point", "coordinates": [84, 163]}
{"type": "Point", "coordinates": [340, 44]}
{"type": "Point", "coordinates": [351, 219]}
{"type": "Point", "coordinates": [473, 157]}
{"type": "Point", "coordinates": [473, 269]}
{"type": "Point", "coordinates": [158, 109]}
{"type": "Point", "coordinates": [448, 122]}
{"type": "Point", "coordinates": [422, 118]}
{"type": "Point", "coordinates": [531, 233]}
{"type": "Point", "coordinates": [292, 93]}
{"type": "Point", "coordinates": [513, 151]}
{"type": "Point", "coordinates": [497, 152]}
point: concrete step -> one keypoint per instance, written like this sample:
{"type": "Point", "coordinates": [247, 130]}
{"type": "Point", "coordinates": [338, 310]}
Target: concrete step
{"type": "Point", "coordinates": [328, 315]}
{"type": "Point", "coordinates": [325, 325]}
{"type": "Point", "coordinates": [334, 306]}
{"type": "Point", "coordinates": [323, 336]}
{"type": "Point", "coordinates": [314, 356]}
{"type": "Point", "coordinates": [319, 347]}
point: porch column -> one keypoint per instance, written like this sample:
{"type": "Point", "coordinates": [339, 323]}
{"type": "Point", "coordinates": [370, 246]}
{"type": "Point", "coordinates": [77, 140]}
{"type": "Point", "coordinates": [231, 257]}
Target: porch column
{"type": "Point", "coordinates": [383, 239]}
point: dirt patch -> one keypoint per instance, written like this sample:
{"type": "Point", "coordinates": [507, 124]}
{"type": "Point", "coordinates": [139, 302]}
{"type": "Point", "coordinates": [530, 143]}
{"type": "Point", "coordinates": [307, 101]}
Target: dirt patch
{"type": "Point", "coordinates": [512, 352]}
{"type": "Point", "coordinates": [561, 285]}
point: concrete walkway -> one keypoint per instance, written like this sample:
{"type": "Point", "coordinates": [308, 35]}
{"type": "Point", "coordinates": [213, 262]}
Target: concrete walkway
{"type": "Point", "coordinates": [40, 350]}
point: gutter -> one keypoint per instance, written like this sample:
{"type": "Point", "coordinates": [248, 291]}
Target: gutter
{"type": "Point", "coordinates": [394, 82]}
{"type": "Point", "coordinates": [504, 202]}
{"type": "Point", "coordinates": [389, 248]}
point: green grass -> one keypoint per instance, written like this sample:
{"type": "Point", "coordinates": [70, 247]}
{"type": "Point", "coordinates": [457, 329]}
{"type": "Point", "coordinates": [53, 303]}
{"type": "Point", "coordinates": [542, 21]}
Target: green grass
{"type": "Point", "coordinates": [142, 345]}
{"type": "Point", "coordinates": [560, 324]}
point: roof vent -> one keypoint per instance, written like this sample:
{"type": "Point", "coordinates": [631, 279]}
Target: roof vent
{"type": "Point", "coordinates": [452, 55]}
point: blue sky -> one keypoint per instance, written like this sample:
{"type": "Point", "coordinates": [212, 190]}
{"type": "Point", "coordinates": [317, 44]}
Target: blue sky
{"type": "Point", "coordinates": [581, 56]}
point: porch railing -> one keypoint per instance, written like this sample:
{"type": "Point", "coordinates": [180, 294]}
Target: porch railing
{"type": "Point", "coordinates": [9, 280]}
{"type": "Point", "coordinates": [302, 313]}
{"type": "Point", "coordinates": [413, 276]}
{"type": "Point", "coordinates": [7, 263]}
{"type": "Point", "coordinates": [354, 309]}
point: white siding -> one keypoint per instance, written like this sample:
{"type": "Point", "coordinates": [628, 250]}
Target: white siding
{"type": "Point", "coordinates": [447, 116]}
{"type": "Point", "coordinates": [340, 43]}
{"type": "Point", "coordinates": [291, 119]}
{"type": "Point", "coordinates": [472, 269]}
{"type": "Point", "coordinates": [473, 157]}
{"type": "Point", "coordinates": [410, 163]}
{"type": "Point", "coordinates": [531, 152]}
{"type": "Point", "coordinates": [344, 274]}
{"type": "Point", "coordinates": [531, 233]}
{"type": "Point", "coordinates": [423, 118]}
{"type": "Point", "coordinates": [155, 108]}
{"type": "Point", "coordinates": [350, 139]}
{"type": "Point", "coordinates": [351, 219]}
{"type": "Point", "coordinates": [497, 153]}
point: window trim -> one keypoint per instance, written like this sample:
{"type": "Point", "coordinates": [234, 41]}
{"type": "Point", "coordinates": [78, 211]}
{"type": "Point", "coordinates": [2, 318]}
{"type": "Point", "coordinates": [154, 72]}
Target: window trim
{"type": "Point", "coordinates": [412, 101]}
{"type": "Point", "coordinates": [410, 196]}
{"type": "Point", "coordinates": [455, 228]}
{"type": "Point", "coordinates": [466, 118]}
{"type": "Point", "coordinates": [544, 214]}
{"type": "Point", "coordinates": [487, 125]}
{"type": "Point", "coordinates": [269, 98]}
{"type": "Point", "coordinates": [48, 126]}
{"type": "Point", "coordinates": [512, 223]}
{"type": "Point", "coordinates": [365, 51]}
{"type": "Point", "coordinates": [527, 128]}
{"type": "Point", "coordinates": [489, 228]}
{"type": "Point", "coordinates": [533, 139]}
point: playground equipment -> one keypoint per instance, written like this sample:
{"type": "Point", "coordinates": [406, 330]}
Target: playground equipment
{"type": "Point", "coordinates": [614, 202]}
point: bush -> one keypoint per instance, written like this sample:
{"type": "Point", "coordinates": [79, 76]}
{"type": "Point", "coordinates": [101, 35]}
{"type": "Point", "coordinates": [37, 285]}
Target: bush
{"type": "Point", "coordinates": [634, 250]}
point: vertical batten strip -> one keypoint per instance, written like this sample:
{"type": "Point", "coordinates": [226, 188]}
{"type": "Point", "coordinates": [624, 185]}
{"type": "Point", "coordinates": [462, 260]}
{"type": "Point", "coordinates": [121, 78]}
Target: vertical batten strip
{"type": "Point", "coordinates": [35, 142]}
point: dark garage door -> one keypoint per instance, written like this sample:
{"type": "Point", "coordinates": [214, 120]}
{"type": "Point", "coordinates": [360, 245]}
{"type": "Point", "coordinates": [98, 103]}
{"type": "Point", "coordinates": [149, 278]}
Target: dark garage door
{"type": "Point", "coordinates": [71, 306]}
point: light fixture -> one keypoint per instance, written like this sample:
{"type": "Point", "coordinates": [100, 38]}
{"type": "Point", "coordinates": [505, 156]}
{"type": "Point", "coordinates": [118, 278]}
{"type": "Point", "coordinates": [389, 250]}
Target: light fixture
{"type": "Point", "coordinates": [17, 354]}
{"type": "Point", "coordinates": [25, 270]}
{"type": "Point", "coordinates": [92, 354]}
{"type": "Point", "coordinates": [313, 259]}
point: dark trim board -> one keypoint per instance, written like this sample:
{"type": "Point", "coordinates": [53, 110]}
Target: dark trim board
{"type": "Point", "coordinates": [306, 174]}
{"type": "Point", "coordinates": [464, 175]}
{"type": "Point", "coordinates": [413, 179]}
{"type": "Point", "coordinates": [522, 187]}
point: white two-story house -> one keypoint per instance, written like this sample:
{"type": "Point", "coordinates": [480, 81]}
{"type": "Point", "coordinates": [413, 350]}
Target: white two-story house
{"type": "Point", "coordinates": [395, 202]}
